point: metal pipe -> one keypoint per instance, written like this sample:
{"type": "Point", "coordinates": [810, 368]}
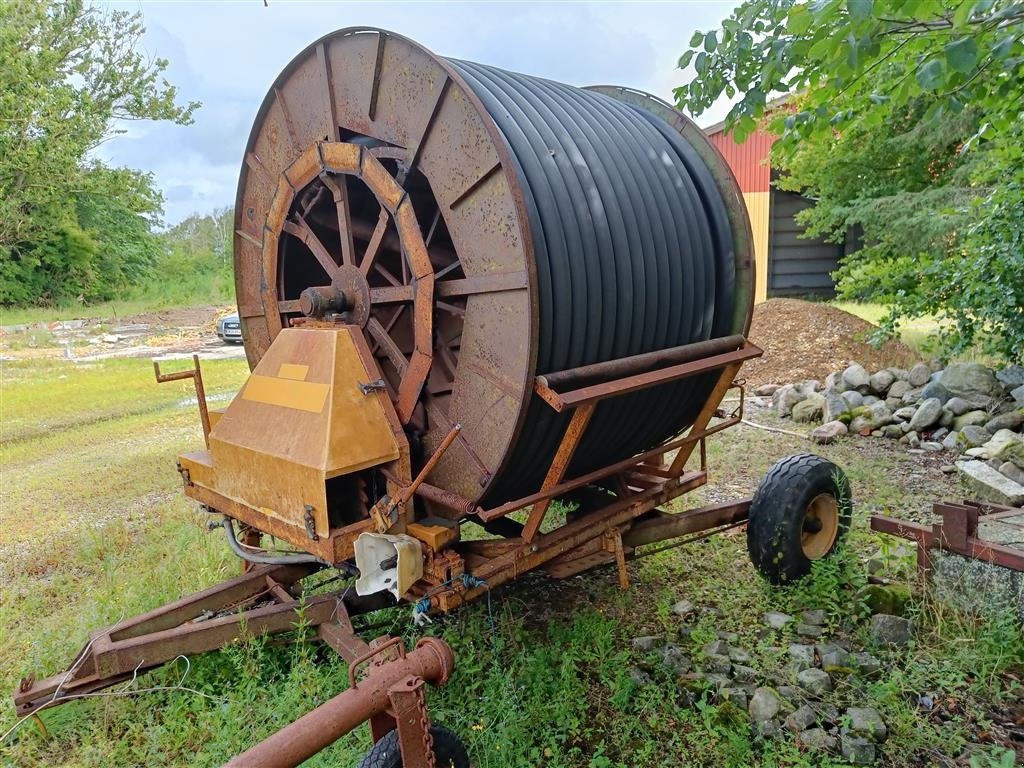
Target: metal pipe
{"type": "Point", "coordinates": [432, 659]}
{"type": "Point", "coordinates": [253, 557]}
{"type": "Point", "coordinates": [573, 378]}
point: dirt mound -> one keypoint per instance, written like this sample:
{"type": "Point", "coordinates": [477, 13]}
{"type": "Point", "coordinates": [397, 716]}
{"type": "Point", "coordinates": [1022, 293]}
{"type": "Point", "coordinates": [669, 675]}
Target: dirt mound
{"type": "Point", "coordinates": [808, 340]}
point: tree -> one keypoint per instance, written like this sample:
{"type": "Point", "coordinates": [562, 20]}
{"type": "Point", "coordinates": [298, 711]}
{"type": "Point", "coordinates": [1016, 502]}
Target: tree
{"type": "Point", "coordinates": [68, 74]}
{"type": "Point", "coordinates": [903, 121]}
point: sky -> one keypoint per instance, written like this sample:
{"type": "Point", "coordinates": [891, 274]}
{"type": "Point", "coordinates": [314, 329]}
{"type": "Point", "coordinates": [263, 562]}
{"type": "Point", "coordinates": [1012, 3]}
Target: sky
{"type": "Point", "coordinates": [227, 54]}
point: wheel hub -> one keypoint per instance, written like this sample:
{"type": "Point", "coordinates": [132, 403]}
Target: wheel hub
{"type": "Point", "coordinates": [820, 526]}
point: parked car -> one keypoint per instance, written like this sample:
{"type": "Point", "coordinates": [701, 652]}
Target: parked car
{"type": "Point", "coordinates": [229, 329]}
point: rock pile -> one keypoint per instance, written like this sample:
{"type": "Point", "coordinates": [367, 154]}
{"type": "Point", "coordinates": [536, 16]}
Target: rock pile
{"type": "Point", "coordinates": [965, 408]}
{"type": "Point", "coordinates": [791, 700]}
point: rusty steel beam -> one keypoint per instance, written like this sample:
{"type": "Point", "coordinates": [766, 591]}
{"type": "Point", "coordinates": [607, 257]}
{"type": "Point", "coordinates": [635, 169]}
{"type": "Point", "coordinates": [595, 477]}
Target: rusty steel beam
{"type": "Point", "coordinates": [958, 536]}
{"type": "Point", "coordinates": [432, 660]}
{"type": "Point", "coordinates": [671, 526]}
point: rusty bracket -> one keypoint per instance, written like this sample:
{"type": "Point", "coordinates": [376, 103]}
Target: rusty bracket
{"type": "Point", "coordinates": [196, 375]}
{"type": "Point", "coordinates": [409, 706]}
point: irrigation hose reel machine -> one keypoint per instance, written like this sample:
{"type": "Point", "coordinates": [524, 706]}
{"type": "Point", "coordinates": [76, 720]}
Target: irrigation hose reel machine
{"type": "Point", "coordinates": [465, 294]}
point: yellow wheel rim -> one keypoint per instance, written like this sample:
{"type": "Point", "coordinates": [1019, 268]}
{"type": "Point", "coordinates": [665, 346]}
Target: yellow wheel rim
{"type": "Point", "coordinates": [820, 526]}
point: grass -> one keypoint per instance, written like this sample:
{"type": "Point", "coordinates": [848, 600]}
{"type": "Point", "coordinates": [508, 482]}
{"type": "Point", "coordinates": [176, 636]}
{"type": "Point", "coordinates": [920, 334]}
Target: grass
{"type": "Point", "coordinates": [93, 528]}
{"type": "Point", "coordinates": [918, 333]}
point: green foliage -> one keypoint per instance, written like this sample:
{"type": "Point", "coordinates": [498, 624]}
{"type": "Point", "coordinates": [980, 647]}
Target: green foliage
{"type": "Point", "coordinates": [903, 122]}
{"type": "Point", "coordinates": [69, 226]}
{"type": "Point", "coordinates": [195, 260]}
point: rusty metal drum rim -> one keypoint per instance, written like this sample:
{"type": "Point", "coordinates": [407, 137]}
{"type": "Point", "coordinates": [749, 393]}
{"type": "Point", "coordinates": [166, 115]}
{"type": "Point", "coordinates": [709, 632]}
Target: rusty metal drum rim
{"type": "Point", "coordinates": [509, 169]}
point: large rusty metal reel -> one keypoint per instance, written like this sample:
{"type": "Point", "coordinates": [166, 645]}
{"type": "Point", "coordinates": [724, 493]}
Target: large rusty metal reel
{"type": "Point", "coordinates": [432, 245]}
{"type": "Point", "coordinates": [426, 156]}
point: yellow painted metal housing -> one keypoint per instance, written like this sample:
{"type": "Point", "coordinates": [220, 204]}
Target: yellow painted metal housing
{"type": "Point", "coordinates": [300, 420]}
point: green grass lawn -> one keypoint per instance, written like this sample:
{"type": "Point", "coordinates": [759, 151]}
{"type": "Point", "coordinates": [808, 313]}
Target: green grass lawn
{"type": "Point", "coordinates": [93, 529]}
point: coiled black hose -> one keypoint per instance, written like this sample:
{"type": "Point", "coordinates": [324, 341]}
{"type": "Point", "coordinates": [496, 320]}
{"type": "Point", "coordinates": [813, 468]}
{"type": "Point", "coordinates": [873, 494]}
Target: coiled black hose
{"type": "Point", "coordinates": [633, 251]}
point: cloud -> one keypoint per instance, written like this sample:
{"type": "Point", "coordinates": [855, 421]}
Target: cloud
{"type": "Point", "coordinates": [226, 55]}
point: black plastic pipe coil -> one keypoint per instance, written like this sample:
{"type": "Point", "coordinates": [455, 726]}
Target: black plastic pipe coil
{"type": "Point", "coordinates": [633, 251]}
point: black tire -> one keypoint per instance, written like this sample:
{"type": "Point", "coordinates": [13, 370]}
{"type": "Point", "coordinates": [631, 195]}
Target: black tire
{"type": "Point", "coordinates": [800, 512]}
{"type": "Point", "coordinates": [448, 751]}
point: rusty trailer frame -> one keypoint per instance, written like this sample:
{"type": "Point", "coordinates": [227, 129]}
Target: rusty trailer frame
{"type": "Point", "coordinates": [269, 598]}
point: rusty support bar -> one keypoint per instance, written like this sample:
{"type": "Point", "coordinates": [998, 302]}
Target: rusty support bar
{"type": "Point", "coordinates": [410, 712]}
{"type": "Point", "coordinates": [559, 465]}
{"type": "Point", "coordinates": [196, 375]}
{"type": "Point", "coordinates": [728, 360]}
{"type": "Point", "coordinates": [725, 383]}
{"type": "Point", "coordinates": [574, 378]}
{"type": "Point", "coordinates": [670, 526]}
{"type": "Point", "coordinates": [952, 540]}
{"type": "Point", "coordinates": [432, 660]}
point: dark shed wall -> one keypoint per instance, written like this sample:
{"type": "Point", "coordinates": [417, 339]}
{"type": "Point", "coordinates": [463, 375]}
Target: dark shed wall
{"type": "Point", "coordinates": [797, 266]}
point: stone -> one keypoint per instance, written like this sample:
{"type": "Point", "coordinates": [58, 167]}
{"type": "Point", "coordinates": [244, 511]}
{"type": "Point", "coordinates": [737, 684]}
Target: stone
{"type": "Point", "coordinates": [975, 418]}
{"type": "Point", "coordinates": [881, 381]}
{"type": "Point", "coordinates": [729, 637]}
{"type": "Point", "coordinates": [743, 674]}
{"type": "Point", "coordinates": [786, 398]}
{"type": "Point", "coordinates": [947, 469]}
{"type": "Point", "coordinates": [675, 660]}
{"type": "Point", "coordinates": [834, 407]}
{"type": "Point", "coordinates": [969, 379]}
{"type": "Point", "coordinates": [716, 663]}
{"type": "Point", "coordinates": [939, 434]}
{"type": "Point", "coordinates": [899, 373]}
{"type": "Point", "coordinates": [777, 620]}
{"type": "Point", "coordinates": [869, 399]}
{"type": "Point", "coordinates": [801, 656]}
{"type": "Point", "coordinates": [934, 389]}
{"type": "Point", "coordinates": [809, 409]}
{"type": "Point", "coordinates": [958, 406]}
{"type": "Point", "coordinates": [828, 432]}
{"type": "Point", "coordinates": [735, 696]}
{"type": "Point", "coordinates": [866, 723]}
{"type": "Point", "coordinates": [853, 399]}
{"type": "Point", "coordinates": [977, 453]}
{"type": "Point", "coordinates": [931, 446]}
{"type": "Point", "coordinates": [816, 616]}
{"type": "Point", "coordinates": [950, 441]}
{"type": "Point", "coordinates": [683, 608]}
{"type": "Point", "coordinates": [913, 396]}
{"type": "Point", "coordinates": [912, 439]}
{"type": "Point", "coordinates": [1001, 439]}
{"type": "Point", "coordinates": [865, 663]}
{"type": "Point", "coordinates": [817, 739]}
{"type": "Point", "coordinates": [814, 681]}
{"type": "Point", "coordinates": [639, 677]}
{"type": "Point", "coordinates": [809, 630]}
{"type": "Point", "coordinates": [906, 413]}
{"type": "Point", "coordinates": [891, 431]}
{"type": "Point", "coordinates": [836, 660]}
{"type": "Point", "coordinates": [919, 375]}
{"type": "Point", "coordinates": [716, 648]}
{"type": "Point", "coordinates": [1012, 452]}
{"type": "Point", "coordinates": [717, 680]}
{"type": "Point", "coordinates": [1018, 395]}
{"type": "Point", "coordinates": [790, 692]}
{"type": "Point", "coordinates": [856, 377]}
{"type": "Point", "coordinates": [891, 630]}
{"type": "Point", "coordinates": [885, 598]}
{"type": "Point", "coordinates": [899, 389]}
{"type": "Point", "coordinates": [768, 729]}
{"type": "Point", "coordinates": [973, 437]}
{"type": "Point", "coordinates": [801, 719]}
{"type": "Point", "coordinates": [927, 414]}
{"type": "Point", "coordinates": [764, 705]}
{"type": "Point", "coordinates": [739, 656]}
{"type": "Point", "coordinates": [767, 390]}
{"type": "Point", "coordinates": [870, 417]}
{"type": "Point", "coordinates": [857, 751]}
{"type": "Point", "coordinates": [990, 484]}
{"type": "Point", "coordinates": [1009, 420]}
{"type": "Point", "coordinates": [1011, 376]}
{"type": "Point", "coordinates": [1012, 471]}
{"type": "Point", "coordinates": [646, 643]}
{"type": "Point", "coordinates": [810, 386]}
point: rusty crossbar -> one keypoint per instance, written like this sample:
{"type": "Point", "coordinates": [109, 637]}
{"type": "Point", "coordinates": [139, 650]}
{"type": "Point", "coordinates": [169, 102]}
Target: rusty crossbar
{"type": "Point", "coordinates": [956, 533]}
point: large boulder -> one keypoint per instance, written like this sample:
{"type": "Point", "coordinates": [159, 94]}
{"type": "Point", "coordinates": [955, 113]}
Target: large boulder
{"type": "Point", "coordinates": [1011, 376]}
{"type": "Point", "coordinates": [856, 377]}
{"type": "Point", "coordinates": [958, 406]}
{"type": "Point", "coordinates": [969, 380]}
{"type": "Point", "coordinates": [835, 406]}
{"type": "Point", "coordinates": [1012, 452]}
{"type": "Point", "coordinates": [785, 398]}
{"type": "Point", "coordinates": [991, 484]}
{"type": "Point", "coordinates": [870, 417]}
{"type": "Point", "coordinates": [1000, 440]}
{"type": "Point", "coordinates": [828, 432]}
{"type": "Point", "coordinates": [971, 419]}
{"type": "Point", "coordinates": [899, 388]}
{"type": "Point", "coordinates": [935, 389]}
{"type": "Point", "coordinates": [919, 375]}
{"type": "Point", "coordinates": [881, 381]}
{"type": "Point", "coordinates": [809, 409]}
{"type": "Point", "coordinates": [973, 437]}
{"type": "Point", "coordinates": [1009, 420]}
{"type": "Point", "coordinates": [927, 414]}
